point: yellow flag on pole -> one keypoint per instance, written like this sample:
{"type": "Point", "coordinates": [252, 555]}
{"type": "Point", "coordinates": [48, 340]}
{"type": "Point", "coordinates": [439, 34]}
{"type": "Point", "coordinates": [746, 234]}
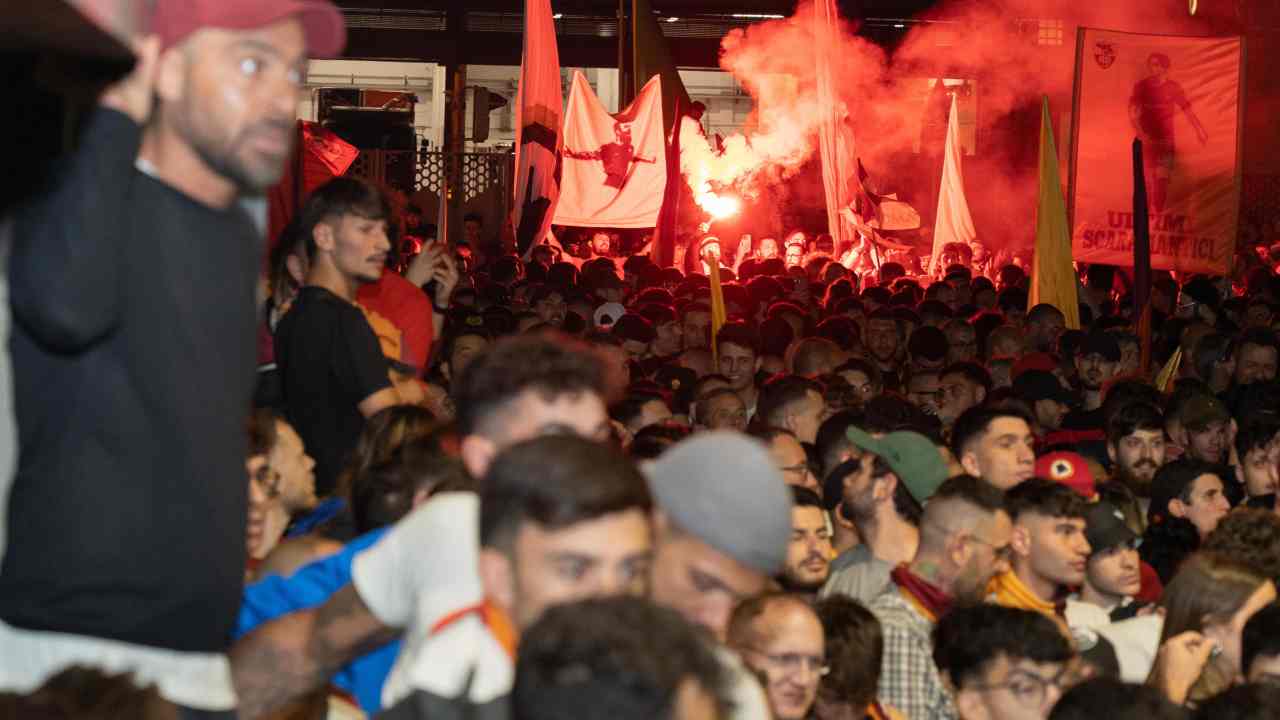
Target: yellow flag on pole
{"type": "Point", "coordinates": [1053, 277]}
{"type": "Point", "coordinates": [717, 308]}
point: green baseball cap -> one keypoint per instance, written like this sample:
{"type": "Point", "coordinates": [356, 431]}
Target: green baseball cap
{"type": "Point", "coordinates": [912, 457]}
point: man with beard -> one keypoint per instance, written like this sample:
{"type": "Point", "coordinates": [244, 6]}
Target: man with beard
{"type": "Point", "coordinates": [332, 368]}
{"type": "Point", "coordinates": [883, 336]}
{"type": "Point", "coordinates": [1050, 551]}
{"type": "Point", "coordinates": [132, 292]}
{"type": "Point", "coordinates": [896, 475]}
{"type": "Point", "coordinates": [1050, 401]}
{"type": "Point", "coordinates": [809, 551]}
{"type": "Point", "coordinates": [964, 542]}
{"type": "Point", "coordinates": [1096, 361]}
{"type": "Point", "coordinates": [1136, 448]}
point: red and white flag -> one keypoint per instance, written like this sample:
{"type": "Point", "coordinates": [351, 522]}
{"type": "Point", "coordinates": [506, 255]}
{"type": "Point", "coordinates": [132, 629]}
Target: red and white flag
{"type": "Point", "coordinates": [953, 223]}
{"type": "Point", "coordinates": [613, 166]}
{"type": "Point", "coordinates": [539, 104]}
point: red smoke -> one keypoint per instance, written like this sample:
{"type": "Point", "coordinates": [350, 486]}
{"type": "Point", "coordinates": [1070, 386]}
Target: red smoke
{"type": "Point", "coordinates": [994, 45]}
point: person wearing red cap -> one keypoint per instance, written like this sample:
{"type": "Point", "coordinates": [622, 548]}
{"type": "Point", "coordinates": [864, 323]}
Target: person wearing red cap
{"type": "Point", "coordinates": [133, 278]}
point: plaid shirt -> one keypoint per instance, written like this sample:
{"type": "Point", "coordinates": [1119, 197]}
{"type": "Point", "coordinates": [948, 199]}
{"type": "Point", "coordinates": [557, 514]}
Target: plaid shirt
{"type": "Point", "coordinates": [909, 681]}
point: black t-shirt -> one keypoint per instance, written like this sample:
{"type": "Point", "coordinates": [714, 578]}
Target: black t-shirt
{"type": "Point", "coordinates": [329, 361]}
{"type": "Point", "coordinates": [133, 357]}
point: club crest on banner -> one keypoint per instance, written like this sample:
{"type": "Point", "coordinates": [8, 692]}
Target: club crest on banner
{"type": "Point", "coordinates": [1105, 54]}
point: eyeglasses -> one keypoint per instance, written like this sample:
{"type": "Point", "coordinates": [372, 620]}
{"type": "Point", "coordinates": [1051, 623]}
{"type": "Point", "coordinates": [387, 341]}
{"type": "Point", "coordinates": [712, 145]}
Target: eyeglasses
{"type": "Point", "coordinates": [1028, 688]}
{"type": "Point", "coordinates": [800, 469]}
{"type": "Point", "coordinates": [1003, 552]}
{"type": "Point", "coordinates": [793, 663]}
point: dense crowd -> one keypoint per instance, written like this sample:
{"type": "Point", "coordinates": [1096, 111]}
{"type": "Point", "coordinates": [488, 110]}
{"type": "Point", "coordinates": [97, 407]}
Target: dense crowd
{"type": "Point", "coordinates": [551, 485]}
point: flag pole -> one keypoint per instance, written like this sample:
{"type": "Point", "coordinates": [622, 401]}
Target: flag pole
{"type": "Point", "coordinates": [1141, 258]}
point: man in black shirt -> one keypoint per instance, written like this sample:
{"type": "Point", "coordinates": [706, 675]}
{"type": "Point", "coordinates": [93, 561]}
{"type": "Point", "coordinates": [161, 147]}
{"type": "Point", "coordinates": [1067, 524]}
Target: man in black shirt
{"type": "Point", "coordinates": [331, 365]}
{"type": "Point", "coordinates": [132, 281]}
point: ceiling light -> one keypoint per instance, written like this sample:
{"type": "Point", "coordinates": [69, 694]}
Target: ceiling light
{"type": "Point", "coordinates": [899, 25]}
{"type": "Point", "coordinates": [757, 16]}
{"type": "Point", "coordinates": [673, 19]}
{"type": "Point", "coordinates": [557, 16]}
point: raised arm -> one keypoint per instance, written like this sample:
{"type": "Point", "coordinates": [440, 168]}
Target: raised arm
{"type": "Point", "coordinates": [65, 270]}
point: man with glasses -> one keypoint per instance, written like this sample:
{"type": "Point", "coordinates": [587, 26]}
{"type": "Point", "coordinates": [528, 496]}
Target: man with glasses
{"type": "Point", "coordinates": [789, 455]}
{"type": "Point", "coordinates": [1003, 663]}
{"type": "Point", "coordinates": [964, 542]}
{"type": "Point", "coordinates": [780, 637]}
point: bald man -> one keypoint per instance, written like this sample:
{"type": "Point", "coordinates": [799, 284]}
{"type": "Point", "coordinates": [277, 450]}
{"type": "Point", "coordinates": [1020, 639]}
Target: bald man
{"type": "Point", "coordinates": [780, 637]}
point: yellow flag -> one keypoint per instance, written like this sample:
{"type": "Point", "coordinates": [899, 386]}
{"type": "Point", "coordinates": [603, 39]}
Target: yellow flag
{"type": "Point", "coordinates": [1053, 278]}
{"type": "Point", "coordinates": [1164, 379]}
{"type": "Point", "coordinates": [717, 309]}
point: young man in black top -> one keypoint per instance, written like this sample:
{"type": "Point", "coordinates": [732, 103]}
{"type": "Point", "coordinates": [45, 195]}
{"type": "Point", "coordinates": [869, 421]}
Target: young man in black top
{"type": "Point", "coordinates": [331, 365]}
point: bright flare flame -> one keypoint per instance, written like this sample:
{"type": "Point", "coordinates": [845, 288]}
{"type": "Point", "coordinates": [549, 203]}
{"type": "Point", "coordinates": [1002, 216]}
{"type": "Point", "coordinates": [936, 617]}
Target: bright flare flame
{"type": "Point", "coordinates": [719, 206]}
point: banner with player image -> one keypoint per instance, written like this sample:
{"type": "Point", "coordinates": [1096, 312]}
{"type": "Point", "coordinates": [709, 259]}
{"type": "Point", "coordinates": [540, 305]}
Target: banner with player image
{"type": "Point", "coordinates": [1182, 97]}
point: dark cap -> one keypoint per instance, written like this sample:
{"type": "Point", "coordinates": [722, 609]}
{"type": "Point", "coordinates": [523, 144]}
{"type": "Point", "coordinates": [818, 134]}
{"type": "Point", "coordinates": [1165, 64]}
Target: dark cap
{"type": "Point", "coordinates": [634, 327]}
{"type": "Point", "coordinates": [1105, 528]}
{"type": "Point", "coordinates": [1100, 343]}
{"type": "Point", "coordinates": [1201, 411]}
{"type": "Point", "coordinates": [322, 23]}
{"type": "Point", "coordinates": [1036, 385]}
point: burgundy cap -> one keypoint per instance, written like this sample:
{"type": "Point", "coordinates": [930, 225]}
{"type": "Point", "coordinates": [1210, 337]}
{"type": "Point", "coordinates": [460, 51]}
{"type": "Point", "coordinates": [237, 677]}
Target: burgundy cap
{"type": "Point", "coordinates": [322, 23]}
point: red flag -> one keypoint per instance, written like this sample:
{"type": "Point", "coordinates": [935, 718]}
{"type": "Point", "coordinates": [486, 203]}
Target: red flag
{"type": "Point", "coordinates": [614, 166]}
{"type": "Point", "coordinates": [320, 156]}
{"type": "Point", "coordinates": [665, 233]}
{"type": "Point", "coordinates": [538, 120]}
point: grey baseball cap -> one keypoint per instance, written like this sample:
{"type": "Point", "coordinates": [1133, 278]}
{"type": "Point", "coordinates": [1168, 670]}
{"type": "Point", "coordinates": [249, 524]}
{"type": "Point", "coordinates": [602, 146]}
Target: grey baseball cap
{"type": "Point", "coordinates": [725, 489]}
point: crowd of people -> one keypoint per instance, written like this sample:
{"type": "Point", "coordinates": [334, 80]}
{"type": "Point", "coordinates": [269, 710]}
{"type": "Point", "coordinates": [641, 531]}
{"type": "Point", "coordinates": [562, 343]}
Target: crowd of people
{"type": "Point", "coordinates": [463, 482]}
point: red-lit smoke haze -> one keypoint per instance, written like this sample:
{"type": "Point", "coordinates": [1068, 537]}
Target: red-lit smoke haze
{"type": "Point", "coordinates": [994, 45]}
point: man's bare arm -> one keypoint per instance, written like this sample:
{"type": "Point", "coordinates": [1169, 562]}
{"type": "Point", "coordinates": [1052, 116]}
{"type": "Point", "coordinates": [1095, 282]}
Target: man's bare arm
{"type": "Point", "coordinates": [298, 653]}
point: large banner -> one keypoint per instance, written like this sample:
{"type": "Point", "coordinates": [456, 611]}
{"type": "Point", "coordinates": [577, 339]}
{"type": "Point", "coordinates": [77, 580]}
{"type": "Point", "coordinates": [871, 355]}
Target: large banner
{"type": "Point", "coordinates": [1181, 97]}
{"type": "Point", "coordinates": [614, 166]}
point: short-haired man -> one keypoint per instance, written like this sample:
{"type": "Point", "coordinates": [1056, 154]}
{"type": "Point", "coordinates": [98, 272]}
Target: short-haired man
{"type": "Point", "coordinates": [1260, 646]}
{"type": "Point", "coordinates": [864, 377]}
{"type": "Point", "coordinates": [962, 341]}
{"type": "Point", "coordinates": [1257, 356]}
{"type": "Point", "coordinates": [780, 637]}
{"type": "Point", "coordinates": [1097, 360]}
{"type": "Point", "coordinates": [809, 551]}
{"type": "Point", "coordinates": [794, 403]}
{"type": "Point", "coordinates": [996, 444]}
{"type": "Point", "coordinates": [1050, 401]}
{"type": "Point", "coordinates": [1004, 663]}
{"type": "Point", "coordinates": [332, 367]}
{"type": "Point", "coordinates": [1257, 450]}
{"type": "Point", "coordinates": [1050, 551]}
{"type": "Point", "coordinates": [639, 661]}
{"type": "Point", "coordinates": [924, 390]}
{"type": "Point", "coordinates": [789, 457]}
{"type": "Point", "coordinates": [897, 475]}
{"type": "Point", "coordinates": [1205, 422]}
{"type": "Point", "coordinates": [964, 542]}
{"type": "Point", "coordinates": [855, 650]}
{"type": "Point", "coordinates": [695, 326]}
{"type": "Point", "coordinates": [1113, 575]}
{"type": "Point", "coordinates": [1042, 326]}
{"type": "Point", "coordinates": [132, 276]}
{"type": "Point", "coordinates": [883, 340]}
{"type": "Point", "coordinates": [738, 355]}
{"type": "Point", "coordinates": [961, 386]}
{"type": "Point", "coordinates": [721, 409]}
